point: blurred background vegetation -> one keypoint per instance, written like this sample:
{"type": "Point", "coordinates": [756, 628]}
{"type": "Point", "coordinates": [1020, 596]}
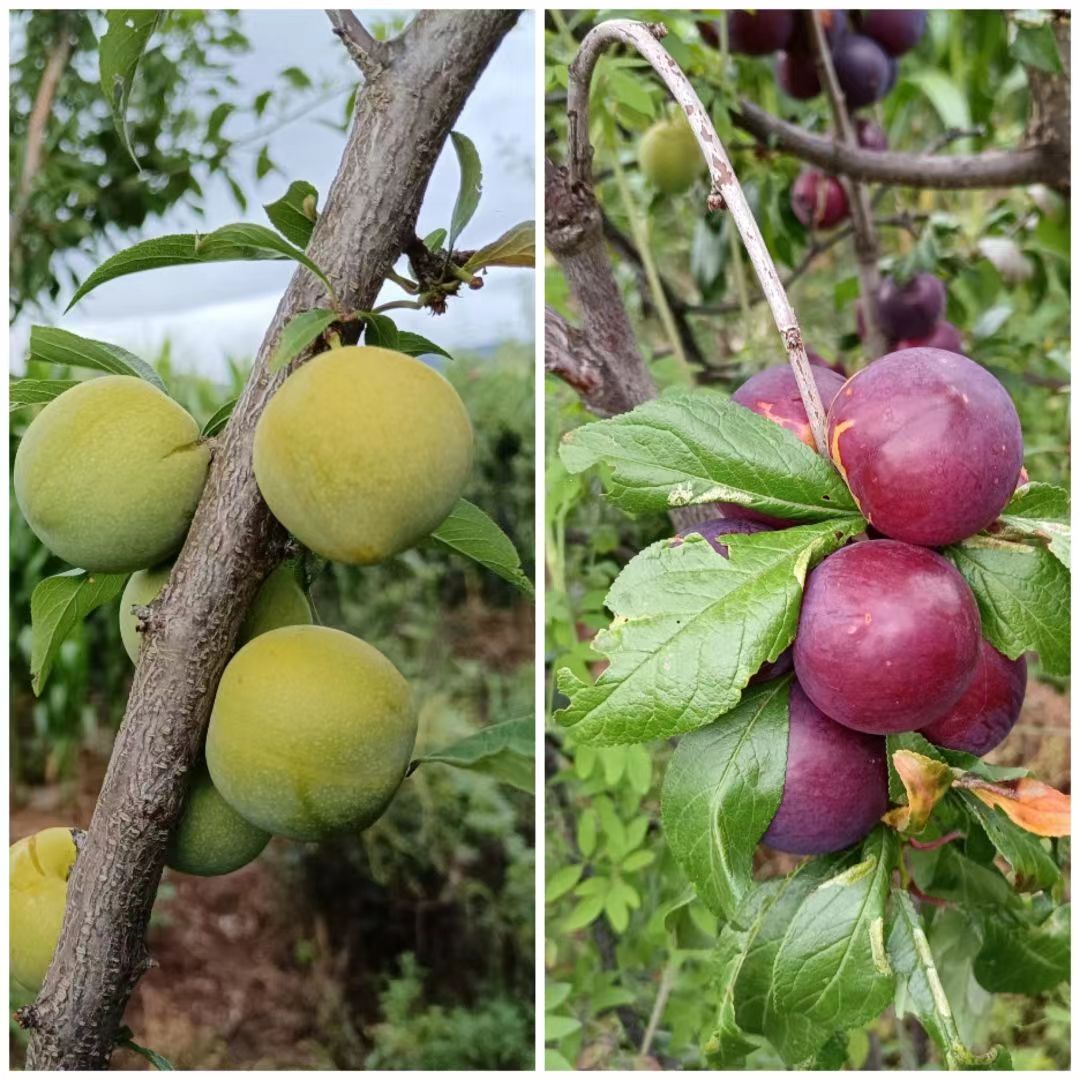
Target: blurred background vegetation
{"type": "Point", "coordinates": [410, 946]}
{"type": "Point", "coordinates": [628, 956]}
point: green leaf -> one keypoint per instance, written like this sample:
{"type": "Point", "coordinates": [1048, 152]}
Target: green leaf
{"type": "Point", "coordinates": [721, 790]}
{"type": "Point", "coordinates": [1019, 959]}
{"type": "Point", "coordinates": [699, 447]}
{"type": "Point", "coordinates": [242, 242]}
{"type": "Point", "coordinates": [380, 330]}
{"type": "Point", "coordinates": [119, 52]}
{"type": "Point", "coordinates": [468, 197]}
{"type": "Point", "coordinates": [504, 751]}
{"type": "Point", "coordinates": [470, 532]}
{"type": "Point", "coordinates": [944, 95]}
{"type": "Point", "coordinates": [434, 240]}
{"type": "Point", "coordinates": [294, 214]}
{"type": "Point", "coordinates": [23, 393]}
{"type": "Point", "coordinates": [299, 332]}
{"type": "Point", "coordinates": [57, 605]}
{"type": "Point", "coordinates": [587, 911]}
{"type": "Point", "coordinates": [415, 345]}
{"type": "Point", "coordinates": [631, 91]}
{"type": "Point", "coordinates": [1036, 46]}
{"type": "Point", "coordinates": [516, 247]}
{"type": "Point", "coordinates": [1027, 854]}
{"type": "Point", "coordinates": [691, 628]}
{"type": "Point", "coordinates": [1023, 595]}
{"type": "Point", "coordinates": [831, 971]}
{"type": "Point", "coordinates": [50, 345]}
{"type": "Point", "coordinates": [220, 418]}
{"type": "Point", "coordinates": [161, 1063]}
{"type": "Point", "coordinates": [1042, 511]}
{"type": "Point", "coordinates": [562, 881]}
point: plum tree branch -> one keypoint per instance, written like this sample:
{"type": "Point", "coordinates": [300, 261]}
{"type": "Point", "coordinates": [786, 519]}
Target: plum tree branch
{"type": "Point", "coordinates": [726, 190]}
{"type": "Point", "coordinates": [368, 54]}
{"type": "Point", "coordinates": [404, 115]}
{"type": "Point", "coordinates": [865, 238]}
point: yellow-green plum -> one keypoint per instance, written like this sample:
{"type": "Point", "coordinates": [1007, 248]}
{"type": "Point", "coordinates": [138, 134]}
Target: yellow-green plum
{"type": "Point", "coordinates": [108, 475]}
{"type": "Point", "coordinates": [362, 452]}
{"type": "Point", "coordinates": [280, 602]}
{"type": "Point", "coordinates": [38, 870]}
{"type": "Point", "coordinates": [311, 732]}
{"type": "Point", "coordinates": [669, 156]}
{"type": "Point", "coordinates": [212, 838]}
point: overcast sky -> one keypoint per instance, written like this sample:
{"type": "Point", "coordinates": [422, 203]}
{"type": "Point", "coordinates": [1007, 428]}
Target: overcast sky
{"type": "Point", "coordinates": [222, 309]}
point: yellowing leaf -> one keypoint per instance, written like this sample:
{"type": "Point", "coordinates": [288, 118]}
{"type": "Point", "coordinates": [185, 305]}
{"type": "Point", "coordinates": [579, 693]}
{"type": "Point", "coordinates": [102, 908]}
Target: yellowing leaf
{"type": "Point", "coordinates": [1029, 803]}
{"type": "Point", "coordinates": [925, 781]}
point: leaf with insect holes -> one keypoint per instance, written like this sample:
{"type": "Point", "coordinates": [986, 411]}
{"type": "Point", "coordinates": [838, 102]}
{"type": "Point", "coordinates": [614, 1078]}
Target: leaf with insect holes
{"type": "Point", "coordinates": [722, 789]}
{"type": "Point", "coordinates": [516, 247]}
{"type": "Point", "coordinates": [294, 214]}
{"type": "Point", "coordinates": [50, 345]}
{"type": "Point", "coordinates": [699, 447]}
{"type": "Point", "coordinates": [505, 751]}
{"type": "Point", "coordinates": [24, 393]}
{"type": "Point", "coordinates": [119, 52]}
{"type": "Point", "coordinates": [470, 532]}
{"type": "Point", "coordinates": [1042, 511]}
{"type": "Point", "coordinates": [299, 332]}
{"type": "Point", "coordinates": [57, 605]}
{"type": "Point", "coordinates": [690, 628]}
{"type": "Point", "coordinates": [468, 198]}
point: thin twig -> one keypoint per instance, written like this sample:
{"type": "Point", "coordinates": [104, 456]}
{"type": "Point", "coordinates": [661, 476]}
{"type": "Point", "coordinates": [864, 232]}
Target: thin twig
{"type": "Point", "coordinates": [366, 52]}
{"type": "Point", "coordinates": [726, 191]}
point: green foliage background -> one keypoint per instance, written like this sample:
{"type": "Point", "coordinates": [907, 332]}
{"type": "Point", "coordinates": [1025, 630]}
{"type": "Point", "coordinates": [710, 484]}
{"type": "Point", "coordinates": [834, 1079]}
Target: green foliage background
{"type": "Point", "coordinates": [629, 949]}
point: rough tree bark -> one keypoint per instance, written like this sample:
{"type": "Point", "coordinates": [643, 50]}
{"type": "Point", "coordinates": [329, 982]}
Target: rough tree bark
{"type": "Point", "coordinates": [415, 88]}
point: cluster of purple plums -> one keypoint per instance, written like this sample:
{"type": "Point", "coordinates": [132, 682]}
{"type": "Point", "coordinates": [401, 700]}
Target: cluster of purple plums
{"type": "Point", "coordinates": [864, 45]}
{"type": "Point", "coordinates": [911, 315]}
{"type": "Point", "coordinates": [889, 637]}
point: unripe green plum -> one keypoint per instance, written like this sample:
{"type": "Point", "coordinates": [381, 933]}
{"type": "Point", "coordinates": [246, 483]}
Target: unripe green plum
{"type": "Point", "coordinates": [311, 732]}
{"type": "Point", "coordinates": [280, 602]}
{"type": "Point", "coordinates": [212, 838]}
{"type": "Point", "coordinates": [108, 475]}
{"type": "Point", "coordinates": [363, 452]}
{"type": "Point", "coordinates": [669, 156]}
{"type": "Point", "coordinates": [38, 870]}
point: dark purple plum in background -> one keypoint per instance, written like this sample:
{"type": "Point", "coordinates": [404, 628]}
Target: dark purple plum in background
{"type": "Point", "coordinates": [820, 361]}
{"type": "Point", "coordinates": [929, 444]}
{"type": "Point", "coordinates": [897, 32]}
{"type": "Point", "coordinates": [758, 33]}
{"type": "Point", "coordinates": [989, 708]}
{"type": "Point", "coordinates": [817, 200]}
{"type": "Point", "coordinates": [835, 787]}
{"type": "Point", "coordinates": [797, 76]}
{"type": "Point", "coordinates": [834, 23]}
{"type": "Point", "coordinates": [713, 530]}
{"type": "Point", "coordinates": [870, 135]}
{"type": "Point", "coordinates": [910, 309]}
{"type": "Point", "coordinates": [862, 69]}
{"type": "Point", "coordinates": [888, 636]}
{"type": "Point", "coordinates": [943, 336]}
{"type": "Point", "coordinates": [774, 394]}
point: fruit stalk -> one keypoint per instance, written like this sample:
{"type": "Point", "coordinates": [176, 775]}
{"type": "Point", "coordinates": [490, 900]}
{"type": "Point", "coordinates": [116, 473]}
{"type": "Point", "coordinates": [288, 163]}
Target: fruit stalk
{"type": "Point", "coordinates": [726, 190]}
{"type": "Point", "coordinates": [234, 543]}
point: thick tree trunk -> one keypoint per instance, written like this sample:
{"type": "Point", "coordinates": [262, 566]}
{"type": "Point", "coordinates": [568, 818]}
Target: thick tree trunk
{"type": "Point", "coordinates": [412, 97]}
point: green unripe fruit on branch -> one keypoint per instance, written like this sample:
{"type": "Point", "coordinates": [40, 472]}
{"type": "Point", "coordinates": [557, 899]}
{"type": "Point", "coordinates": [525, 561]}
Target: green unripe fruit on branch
{"type": "Point", "coordinates": [212, 838]}
{"type": "Point", "coordinates": [669, 156]}
{"type": "Point", "coordinates": [362, 452]}
{"type": "Point", "coordinates": [108, 475]}
{"type": "Point", "coordinates": [38, 870]}
{"type": "Point", "coordinates": [280, 602]}
{"type": "Point", "coordinates": [311, 732]}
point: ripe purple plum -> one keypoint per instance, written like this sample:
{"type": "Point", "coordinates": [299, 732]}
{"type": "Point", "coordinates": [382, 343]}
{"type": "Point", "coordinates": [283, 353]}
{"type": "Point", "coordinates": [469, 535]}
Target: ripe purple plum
{"type": "Point", "coordinates": [897, 32]}
{"type": "Point", "coordinates": [836, 785]}
{"type": "Point", "coordinates": [870, 135]}
{"type": "Point", "coordinates": [929, 444]}
{"type": "Point", "coordinates": [797, 75]}
{"type": "Point", "coordinates": [911, 309]}
{"type": "Point", "coordinates": [758, 33]}
{"type": "Point", "coordinates": [819, 361]}
{"type": "Point", "coordinates": [712, 530]}
{"type": "Point", "coordinates": [774, 394]}
{"type": "Point", "coordinates": [862, 69]}
{"type": "Point", "coordinates": [834, 23]}
{"type": "Point", "coordinates": [989, 707]}
{"type": "Point", "coordinates": [888, 636]}
{"type": "Point", "coordinates": [943, 336]}
{"type": "Point", "coordinates": [818, 201]}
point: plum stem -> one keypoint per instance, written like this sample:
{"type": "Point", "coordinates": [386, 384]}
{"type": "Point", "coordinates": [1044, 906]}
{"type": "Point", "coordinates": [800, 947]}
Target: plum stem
{"type": "Point", "coordinates": [725, 192]}
{"type": "Point", "coordinates": [866, 245]}
{"type": "Point", "coordinates": [932, 845]}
